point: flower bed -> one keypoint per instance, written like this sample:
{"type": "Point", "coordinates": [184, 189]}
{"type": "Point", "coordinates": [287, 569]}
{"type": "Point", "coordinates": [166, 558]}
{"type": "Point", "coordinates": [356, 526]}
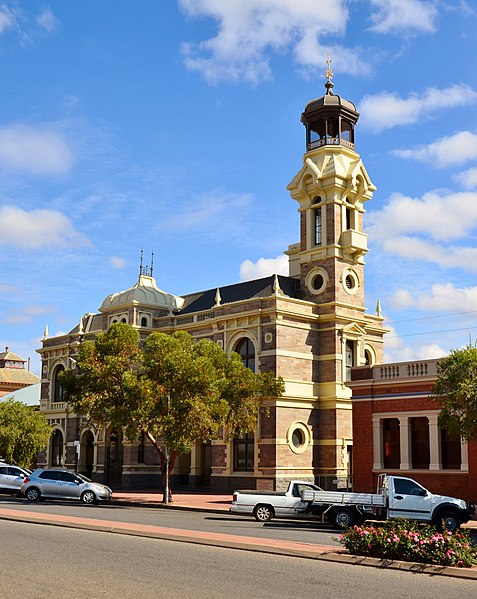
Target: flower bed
{"type": "Point", "coordinates": [411, 542]}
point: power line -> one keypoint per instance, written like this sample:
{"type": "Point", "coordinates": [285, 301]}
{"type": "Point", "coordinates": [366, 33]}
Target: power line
{"type": "Point", "coordinates": [430, 317]}
{"type": "Point", "coordinates": [431, 332]}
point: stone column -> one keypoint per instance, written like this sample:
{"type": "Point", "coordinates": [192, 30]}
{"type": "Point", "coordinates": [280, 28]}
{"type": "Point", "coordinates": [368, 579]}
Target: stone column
{"type": "Point", "coordinates": [435, 462]}
{"type": "Point", "coordinates": [377, 444]}
{"type": "Point", "coordinates": [405, 441]}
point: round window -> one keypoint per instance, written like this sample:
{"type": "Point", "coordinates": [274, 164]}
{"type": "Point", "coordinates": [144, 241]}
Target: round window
{"type": "Point", "coordinates": [350, 282]}
{"type": "Point", "coordinates": [318, 282]}
{"type": "Point", "coordinates": [298, 438]}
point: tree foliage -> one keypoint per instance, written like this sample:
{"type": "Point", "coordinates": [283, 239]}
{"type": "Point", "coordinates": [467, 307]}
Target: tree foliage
{"type": "Point", "coordinates": [23, 432]}
{"type": "Point", "coordinates": [172, 388]}
{"type": "Point", "coordinates": [456, 390]}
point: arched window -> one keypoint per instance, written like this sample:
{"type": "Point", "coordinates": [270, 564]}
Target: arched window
{"type": "Point", "coordinates": [57, 388]}
{"type": "Point", "coordinates": [57, 448]}
{"type": "Point", "coordinates": [144, 321]}
{"type": "Point", "coordinates": [123, 320]}
{"type": "Point", "coordinates": [246, 350]}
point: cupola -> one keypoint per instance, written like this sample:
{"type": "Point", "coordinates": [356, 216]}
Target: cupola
{"type": "Point", "coordinates": [329, 120]}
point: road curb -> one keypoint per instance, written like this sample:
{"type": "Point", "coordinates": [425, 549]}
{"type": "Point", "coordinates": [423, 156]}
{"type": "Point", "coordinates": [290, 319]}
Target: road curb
{"type": "Point", "coordinates": [302, 551]}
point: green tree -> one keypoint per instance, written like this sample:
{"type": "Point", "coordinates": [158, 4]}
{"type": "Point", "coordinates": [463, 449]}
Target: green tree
{"type": "Point", "coordinates": [456, 390]}
{"type": "Point", "coordinates": [174, 389]}
{"type": "Point", "coordinates": [24, 432]}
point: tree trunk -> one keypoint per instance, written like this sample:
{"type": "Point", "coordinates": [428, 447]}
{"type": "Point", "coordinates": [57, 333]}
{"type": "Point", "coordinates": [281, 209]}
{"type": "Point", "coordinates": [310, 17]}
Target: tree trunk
{"type": "Point", "coordinates": [164, 458]}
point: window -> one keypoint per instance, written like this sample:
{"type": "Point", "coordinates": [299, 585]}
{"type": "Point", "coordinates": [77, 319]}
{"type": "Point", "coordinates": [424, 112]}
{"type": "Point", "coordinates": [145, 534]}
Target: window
{"type": "Point", "coordinates": [57, 388]}
{"type": "Point", "coordinates": [391, 443]}
{"type": "Point", "coordinates": [420, 453]}
{"type": "Point", "coordinates": [298, 438]}
{"type": "Point", "coordinates": [67, 477]}
{"type": "Point", "coordinates": [246, 350]}
{"type": "Point", "coordinates": [346, 131]}
{"type": "Point", "coordinates": [405, 486]}
{"type": "Point", "coordinates": [368, 357]}
{"type": "Point", "coordinates": [50, 475]}
{"type": "Point", "coordinates": [244, 453]}
{"type": "Point", "coordinates": [451, 451]}
{"type": "Point", "coordinates": [144, 321]}
{"type": "Point", "coordinates": [57, 448]}
{"type": "Point", "coordinates": [317, 214]}
{"type": "Point", "coordinates": [349, 358]}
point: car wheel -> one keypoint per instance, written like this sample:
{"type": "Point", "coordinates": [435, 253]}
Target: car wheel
{"type": "Point", "coordinates": [448, 520]}
{"type": "Point", "coordinates": [263, 513]}
{"type": "Point", "coordinates": [33, 494]}
{"type": "Point", "coordinates": [342, 518]}
{"type": "Point", "coordinates": [88, 497]}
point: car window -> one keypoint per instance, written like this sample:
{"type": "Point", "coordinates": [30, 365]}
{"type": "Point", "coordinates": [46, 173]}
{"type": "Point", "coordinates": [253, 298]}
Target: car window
{"type": "Point", "coordinates": [407, 487]}
{"type": "Point", "coordinates": [50, 474]}
{"type": "Point", "coordinates": [3, 470]}
{"type": "Point", "coordinates": [67, 477]}
{"type": "Point", "coordinates": [14, 471]}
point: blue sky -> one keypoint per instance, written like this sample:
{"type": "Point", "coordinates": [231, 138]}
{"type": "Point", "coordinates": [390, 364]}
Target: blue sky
{"type": "Point", "coordinates": [174, 126]}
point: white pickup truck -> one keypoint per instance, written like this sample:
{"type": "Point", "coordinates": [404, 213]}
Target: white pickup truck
{"type": "Point", "coordinates": [396, 497]}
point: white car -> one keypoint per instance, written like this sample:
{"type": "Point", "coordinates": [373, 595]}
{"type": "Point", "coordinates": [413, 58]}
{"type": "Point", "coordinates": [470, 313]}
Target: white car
{"type": "Point", "coordinates": [12, 477]}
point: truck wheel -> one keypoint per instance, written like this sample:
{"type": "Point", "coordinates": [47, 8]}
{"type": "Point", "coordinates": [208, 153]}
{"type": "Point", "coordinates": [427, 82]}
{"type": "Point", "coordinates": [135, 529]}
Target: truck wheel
{"type": "Point", "coordinates": [447, 520]}
{"type": "Point", "coordinates": [342, 518]}
{"type": "Point", "coordinates": [263, 513]}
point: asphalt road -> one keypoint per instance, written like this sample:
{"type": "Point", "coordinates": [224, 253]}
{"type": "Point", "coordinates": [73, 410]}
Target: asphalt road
{"type": "Point", "coordinates": [288, 530]}
{"type": "Point", "coordinates": [40, 562]}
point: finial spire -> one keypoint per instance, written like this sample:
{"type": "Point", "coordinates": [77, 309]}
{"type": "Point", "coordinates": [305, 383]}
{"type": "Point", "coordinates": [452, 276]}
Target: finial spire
{"type": "Point", "coordinates": [144, 270]}
{"type": "Point", "coordinates": [329, 76]}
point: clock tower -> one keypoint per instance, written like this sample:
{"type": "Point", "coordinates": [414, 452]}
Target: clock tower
{"type": "Point", "coordinates": [331, 189]}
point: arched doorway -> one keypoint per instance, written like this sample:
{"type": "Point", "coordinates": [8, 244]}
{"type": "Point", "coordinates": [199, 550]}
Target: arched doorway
{"type": "Point", "coordinates": [115, 458]}
{"type": "Point", "coordinates": [87, 449]}
{"type": "Point", "coordinates": [57, 448]}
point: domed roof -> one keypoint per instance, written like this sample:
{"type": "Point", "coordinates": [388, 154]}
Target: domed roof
{"type": "Point", "coordinates": [329, 100]}
{"type": "Point", "coordinates": [145, 293]}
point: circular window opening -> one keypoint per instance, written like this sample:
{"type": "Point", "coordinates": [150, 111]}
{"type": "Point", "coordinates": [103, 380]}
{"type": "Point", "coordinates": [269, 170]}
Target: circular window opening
{"type": "Point", "coordinates": [318, 282]}
{"type": "Point", "coordinates": [298, 438]}
{"type": "Point", "coordinates": [316, 200]}
{"type": "Point", "coordinates": [350, 282]}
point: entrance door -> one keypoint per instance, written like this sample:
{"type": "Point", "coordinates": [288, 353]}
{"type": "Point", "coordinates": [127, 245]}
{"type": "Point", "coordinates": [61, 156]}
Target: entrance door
{"type": "Point", "coordinates": [115, 458]}
{"type": "Point", "coordinates": [89, 453]}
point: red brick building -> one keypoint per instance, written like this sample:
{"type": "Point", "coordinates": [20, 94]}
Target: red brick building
{"type": "Point", "coordinates": [395, 430]}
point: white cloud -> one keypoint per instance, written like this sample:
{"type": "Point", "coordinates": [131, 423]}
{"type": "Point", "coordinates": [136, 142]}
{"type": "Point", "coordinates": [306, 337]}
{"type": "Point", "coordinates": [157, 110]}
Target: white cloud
{"type": "Point", "coordinates": [249, 30]}
{"type": "Point", "coordinates": [263, 267]}
{"type": "Point", "coordinates": [441, 297]}
{"type": "Point", "coordinates": [468, 178]}
{"type": "Point", "coordinates": [217, 212]}
{"type": "Point", "coordinates": [403, 16]}
{"type": "Point", "coordinates": [26, 314]}
{"type": "Point", "coordinates": [421, 228]}
{"type": "Point", "coordinates": [447, 151]}
{"type": "Point", "coordinates": [396, 349]}
{"type": "Point", "coordinates": [39, 151]}
{"type": "Point", "coordinates": [38, 228]}
{"type": "Point", "coordinates": [387, 109]}
{"type": "Point", "coordinates": [117, 262]}
{"type": "Point", "coordinates": [7, 289]}
{"type": "Point", "coordinates": [7, 19]}
{"type": "Point", "coordinates": [439, 215]}
{"type": "Point", "coordinates": [47, 20]}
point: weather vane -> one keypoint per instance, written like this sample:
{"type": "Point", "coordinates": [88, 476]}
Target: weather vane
{"type": "Point", "coordinates": [329, 76]}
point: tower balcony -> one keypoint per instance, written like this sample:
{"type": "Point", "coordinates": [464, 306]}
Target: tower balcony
{"type": "Point", "coordinates": [354, 243]}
